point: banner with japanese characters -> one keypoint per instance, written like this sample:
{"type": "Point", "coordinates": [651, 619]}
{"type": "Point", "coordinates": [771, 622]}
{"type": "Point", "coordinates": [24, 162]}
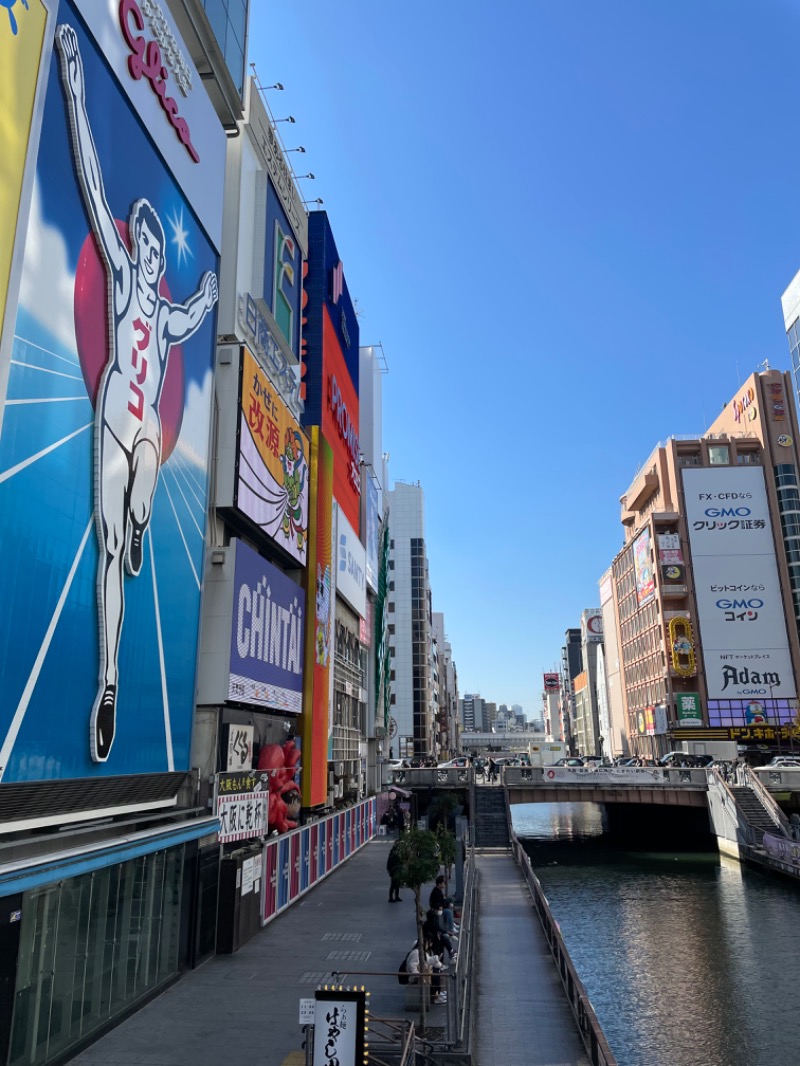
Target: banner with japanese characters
{"type": "Point", "coordinates": [241, 804]}
{"type": "Point", "coordinates": [272, 479]}
{"type": "Point", "coordinates": [739, 604]}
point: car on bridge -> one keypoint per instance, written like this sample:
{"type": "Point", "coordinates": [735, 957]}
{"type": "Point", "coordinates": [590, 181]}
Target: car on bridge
{"type": "Point", "coordinates": [784, 760]}
{"type": "Point", "coordinates": [572, 760]}
{"type": "Point", "coordinates": [682, 758]}
{"type": "Point", "coordinates": [461, 762]}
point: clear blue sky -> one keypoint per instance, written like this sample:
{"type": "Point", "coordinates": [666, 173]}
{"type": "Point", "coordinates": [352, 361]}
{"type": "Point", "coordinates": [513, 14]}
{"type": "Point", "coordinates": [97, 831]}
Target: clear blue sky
{"type": "Point", "coordinates": [570, 224]}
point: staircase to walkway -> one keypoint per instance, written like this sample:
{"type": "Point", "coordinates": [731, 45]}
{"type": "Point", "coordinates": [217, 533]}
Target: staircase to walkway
{"type": "Point", "coordinates": [754, 810]}
{"type": "Point", "coordinates": [490, 819]}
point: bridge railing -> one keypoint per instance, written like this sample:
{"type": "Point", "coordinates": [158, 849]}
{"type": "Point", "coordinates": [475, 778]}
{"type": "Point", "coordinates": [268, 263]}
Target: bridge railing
{"type": "Point", "coordinates": [597, 1047]}
{"type": "Point", "coordinates": [434, 777]}
{"type": "Point", "coordinates": [778, 778]}
{"type": "Point", "coordinates": [604, 777]}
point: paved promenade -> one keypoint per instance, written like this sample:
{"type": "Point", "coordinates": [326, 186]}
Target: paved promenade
{"type": "Point", "coordinates": [523, 1018]}
{"type": "Point", "coordinates": [247, 1004]}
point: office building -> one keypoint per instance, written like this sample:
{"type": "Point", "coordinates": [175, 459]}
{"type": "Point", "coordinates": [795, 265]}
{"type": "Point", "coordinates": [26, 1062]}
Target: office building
{"type": "Point", "coordinates": [409, 614]}
{"type": "Point", "coordinates": [707, 586]}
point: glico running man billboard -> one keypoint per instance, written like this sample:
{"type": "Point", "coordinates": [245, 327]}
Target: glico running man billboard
{"type": "Point", "coordinates": [330, 337]}
{"type": "Point", "coordinates": [103, 454]}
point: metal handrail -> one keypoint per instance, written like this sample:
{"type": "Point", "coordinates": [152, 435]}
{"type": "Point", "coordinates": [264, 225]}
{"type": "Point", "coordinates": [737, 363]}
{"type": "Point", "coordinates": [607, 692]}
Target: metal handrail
{"type": "Point", "coordinates": [769, 804]}
{"type": "Point", "coordinates": [591, 1032]}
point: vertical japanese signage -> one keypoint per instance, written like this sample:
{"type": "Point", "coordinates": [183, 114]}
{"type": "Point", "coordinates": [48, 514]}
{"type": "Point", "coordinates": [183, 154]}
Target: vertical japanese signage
{"type": "Point", "coordinates": [739, 603]}
{"type": "Point", "coordinates": [330, 338]}
{"type": "Point", "coordinates": [643, 567]}
{"type": "Point", "coordinates": [319, 625]}
{"type": "Point", "coordinates": [340, 1019]}
{"type": "Point", "coordinates": [103, 453]}
{"type": "Point", "coordinates": [272, 478]}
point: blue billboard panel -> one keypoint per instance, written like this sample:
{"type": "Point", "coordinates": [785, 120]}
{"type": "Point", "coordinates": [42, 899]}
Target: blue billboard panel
{"type": "Point", "coordinates": [326, 287]}
{"type": "Point", "coordinates": [103, 453]}
{"type": "Point", "coordinates": [267, 635]}
{"type": "Point", "coordinates": [283, 272]}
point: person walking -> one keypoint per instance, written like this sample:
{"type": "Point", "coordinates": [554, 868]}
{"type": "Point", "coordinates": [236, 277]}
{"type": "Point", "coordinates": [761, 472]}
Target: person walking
{"type": "Point", "coordinates": [393, 864]}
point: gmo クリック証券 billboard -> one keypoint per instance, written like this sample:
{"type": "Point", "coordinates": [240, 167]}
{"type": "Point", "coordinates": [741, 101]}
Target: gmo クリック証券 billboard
{"type": "Point", "coordinates": [103, 453]}
{"type": "Point", "coordinates": [740, 610]}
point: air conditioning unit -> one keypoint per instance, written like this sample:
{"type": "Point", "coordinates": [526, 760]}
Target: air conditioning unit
{"type": "Point", "coordinates": [331, 780]}
{"type": "Point", "coordinates": [339, 771]}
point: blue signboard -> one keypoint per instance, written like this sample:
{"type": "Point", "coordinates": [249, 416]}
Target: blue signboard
{"type": "Point", "coordinates": [283, 272]}
{"type": "Point", "coordinates": [267, 635]}
{"type": "Point", "coordinates": [326, 286]}
{"type": "Point", "coordinates": [103, 454]}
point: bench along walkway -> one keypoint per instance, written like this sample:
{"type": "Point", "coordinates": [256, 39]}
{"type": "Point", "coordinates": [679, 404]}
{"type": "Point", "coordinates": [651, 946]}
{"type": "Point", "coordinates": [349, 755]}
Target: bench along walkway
{"type": "Point", "coordinates": [523, 1018]}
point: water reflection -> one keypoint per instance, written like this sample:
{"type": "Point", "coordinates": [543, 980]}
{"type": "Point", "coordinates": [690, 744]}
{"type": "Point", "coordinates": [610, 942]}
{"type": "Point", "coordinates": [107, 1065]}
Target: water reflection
{"type": "Point", "coordinates": [689, 960]}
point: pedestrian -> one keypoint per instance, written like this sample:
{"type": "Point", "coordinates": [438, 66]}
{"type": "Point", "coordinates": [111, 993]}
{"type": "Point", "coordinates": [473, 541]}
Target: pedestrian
{"type": "Point", "coordinates": [435, 965]}
{"type": "Point", "coordinates": [492, 771]}
{"type": "Point", "coordinates": [393, 866]}
{"type": "Point", "coordinates": [443, 905]}
{"type": "Point", "coordinates": [440, 941]}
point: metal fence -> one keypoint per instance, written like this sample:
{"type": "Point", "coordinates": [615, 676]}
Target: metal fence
{"type": "Point", "coordinates": [597, 1047]}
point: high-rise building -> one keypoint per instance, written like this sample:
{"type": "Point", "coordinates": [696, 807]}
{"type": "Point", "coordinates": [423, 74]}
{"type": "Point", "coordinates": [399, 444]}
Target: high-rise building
{"type": "Point", "coordinates": [571, 666]}
{"type": "Point", "coordinates": [409, 613]}
{"type": "Point", "coordinates": [471, 713]}
{"type": "Point", "coordinates": [447, 703]}
{"type": "Point", "coordinates": [707, 586]}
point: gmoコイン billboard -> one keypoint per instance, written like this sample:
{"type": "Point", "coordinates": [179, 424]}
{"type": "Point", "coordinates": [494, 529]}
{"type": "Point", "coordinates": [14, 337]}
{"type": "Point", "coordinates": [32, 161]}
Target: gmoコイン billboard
{"type": "Point", "coordinates": [103, 453]}
{"type": "Point", "coordinates": [739, 605]}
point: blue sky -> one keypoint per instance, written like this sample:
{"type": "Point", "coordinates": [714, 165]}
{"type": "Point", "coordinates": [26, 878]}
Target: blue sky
{"type": "Point", "coordinates": [570, 225]}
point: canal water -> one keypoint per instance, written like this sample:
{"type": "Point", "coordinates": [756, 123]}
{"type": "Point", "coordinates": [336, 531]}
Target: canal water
{"type": "Point", "coordinates": [688, 958]}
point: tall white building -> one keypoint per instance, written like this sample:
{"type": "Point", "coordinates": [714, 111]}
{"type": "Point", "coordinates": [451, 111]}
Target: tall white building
{"type": "Point", "coordinates": [471, 712]}
{"type": "Point", "coordinates": [409, 614]}
{"type": "Point", "coordinates": [447, 705]}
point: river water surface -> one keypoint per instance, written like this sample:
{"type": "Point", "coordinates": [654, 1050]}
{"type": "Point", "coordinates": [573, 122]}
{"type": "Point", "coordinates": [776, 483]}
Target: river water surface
{"type": "Point", "coordinates": [689, 959]}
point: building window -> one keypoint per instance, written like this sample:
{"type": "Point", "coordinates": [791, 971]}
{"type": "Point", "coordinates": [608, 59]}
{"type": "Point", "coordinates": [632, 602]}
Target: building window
{"type": "Point", "coordinates": [391, 564]}
{"type": "Point", "coordinates": [718, 455]}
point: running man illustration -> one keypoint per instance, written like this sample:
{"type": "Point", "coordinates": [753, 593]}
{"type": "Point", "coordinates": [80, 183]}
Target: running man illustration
{"type": "Point", "coordinates": [144, 327]}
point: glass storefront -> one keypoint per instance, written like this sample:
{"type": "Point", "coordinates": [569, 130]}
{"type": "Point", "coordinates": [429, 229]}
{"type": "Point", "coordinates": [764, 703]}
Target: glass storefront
{"type": "Point", "coordinates": [91, 947]}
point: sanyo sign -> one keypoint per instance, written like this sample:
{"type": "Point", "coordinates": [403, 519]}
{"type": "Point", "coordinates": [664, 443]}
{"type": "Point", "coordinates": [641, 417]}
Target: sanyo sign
{"type": "Point", "coordinates": [351, 562]}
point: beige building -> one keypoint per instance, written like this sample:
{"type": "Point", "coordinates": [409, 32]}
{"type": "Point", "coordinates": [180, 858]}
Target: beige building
{"type": "Point", "coordinates": [706, 589]}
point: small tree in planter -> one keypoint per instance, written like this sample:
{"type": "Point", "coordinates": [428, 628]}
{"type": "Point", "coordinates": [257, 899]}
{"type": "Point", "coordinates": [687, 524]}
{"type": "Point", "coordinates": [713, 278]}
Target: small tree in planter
{"type": "Point", "coordinates": [420, 854]}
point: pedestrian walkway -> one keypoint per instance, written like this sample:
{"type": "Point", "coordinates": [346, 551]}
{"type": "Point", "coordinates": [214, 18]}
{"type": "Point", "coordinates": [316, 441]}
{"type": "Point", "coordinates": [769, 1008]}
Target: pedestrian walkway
{"type": "Point", "coordinates": [247, 1004]}
{"type": "Point", "coordinates": [523, 1018]}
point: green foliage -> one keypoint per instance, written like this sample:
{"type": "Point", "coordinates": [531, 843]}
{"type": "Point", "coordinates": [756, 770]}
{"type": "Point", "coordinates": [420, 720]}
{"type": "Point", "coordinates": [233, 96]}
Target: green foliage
{"type": "Point", "coordinates": [418, 852]}
{"type": "Point", "coordinates": [441, 809]}
{"type": "Point", "coordinates": [446, 844]}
